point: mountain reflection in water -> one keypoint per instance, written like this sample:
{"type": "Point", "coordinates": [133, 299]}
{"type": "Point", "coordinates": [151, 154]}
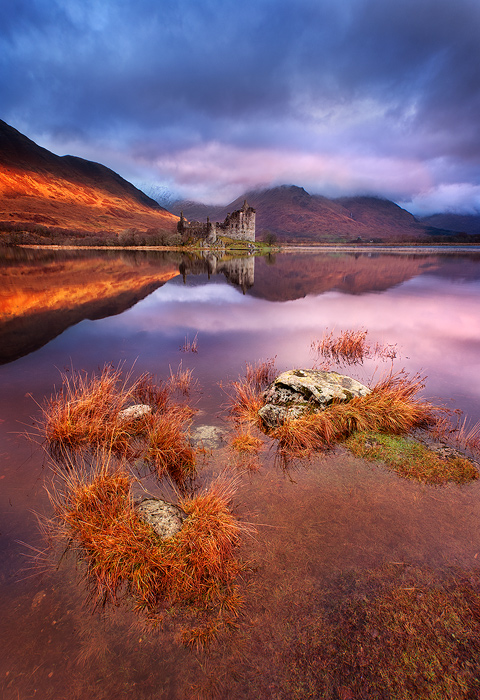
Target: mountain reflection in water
{"type": "Point", "coordinates": [319, 528]}
{"type": "Point", "coordinates": [42, 293]}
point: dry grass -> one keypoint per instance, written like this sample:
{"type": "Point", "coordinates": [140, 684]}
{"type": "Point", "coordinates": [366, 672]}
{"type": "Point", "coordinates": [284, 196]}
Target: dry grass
{"type": "Point", "coordinates": [168, 449]}
{"type": "Point", "coordinates": [181, 381]}
{"type": "Point", "coordinates": [350, 347]}
{"type": "Point", "coordinates": [86, 415]}
{"type": "Point", "coordinates": [411, 459]}
{"type": "Point", "coordinates": [244, 441]}
{"type": "Point", "coordinates": [246, 401]}
{"type": "Point", "coordinates": [458, 432]}
{"type": "Point", "coordinates": [148, 390]}
{"type": "Point", "coordinates": [190, 345]}
{"type": "Point", "coordinates": [245, 395]}
{"type": "Point", "coordinates": [85, 411]}
{"type": "Point", "coordinates": [391, 407]}
{"type": "Point", "coordinates": [261, 374]}
{"type": "Point", "coordinates": [126, 560]}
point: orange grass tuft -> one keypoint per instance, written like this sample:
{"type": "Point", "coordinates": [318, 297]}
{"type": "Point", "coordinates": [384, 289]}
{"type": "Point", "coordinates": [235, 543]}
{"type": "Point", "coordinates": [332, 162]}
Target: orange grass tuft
{"type": "Point", "coordinates": [181, 380]}
{"type": "Point", "coordinates": [152, 392]}
{"type": "Point", "coordinates": [85, 414]}
{"type": "Point", "coordinates": [246, 401]}
{"type": "Point", "coordinates": [246, 393]}
{"type": "Point", "coordinates": [261, 374]}
{"type": "Point", "coordinates": [168, 449]}
{"type": "Point", "coordinates": [244, 441]}
{"type": "Point", "coordinates": [391, 407]}
{"type": "Point", "coordinates": [85, 411]}
{"type": "Point", "coordinates": [126, 559]}
{"type": "Point", "coordinates": [351, 347]}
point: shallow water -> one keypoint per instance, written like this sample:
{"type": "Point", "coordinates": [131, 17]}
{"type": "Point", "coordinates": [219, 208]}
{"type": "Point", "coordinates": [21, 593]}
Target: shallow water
{"type": "Point", "coordinates": [333, 515]}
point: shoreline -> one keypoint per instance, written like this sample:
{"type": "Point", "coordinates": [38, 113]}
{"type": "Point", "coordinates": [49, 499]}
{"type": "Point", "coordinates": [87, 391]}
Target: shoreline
{"type": "Point", "coordinates": [410, 249]}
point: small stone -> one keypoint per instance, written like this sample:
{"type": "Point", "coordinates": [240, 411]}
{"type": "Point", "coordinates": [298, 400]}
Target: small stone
{"type": "Point", "coordinates": [165, 518]}
{"type": "Point", "coordinates": [134, 412]}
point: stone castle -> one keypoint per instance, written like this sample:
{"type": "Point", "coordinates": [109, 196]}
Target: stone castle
{"type": "Point", "coordinates": [240, 226]}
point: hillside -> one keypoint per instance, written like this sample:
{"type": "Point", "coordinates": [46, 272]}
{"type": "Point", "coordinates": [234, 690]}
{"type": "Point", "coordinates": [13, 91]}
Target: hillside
{"type": "Point", "coordinates": [45, 193]}
{"type": "Point", "coordinates": [462, 223]}
{"type": "Point", "coordinates": [295, 216]}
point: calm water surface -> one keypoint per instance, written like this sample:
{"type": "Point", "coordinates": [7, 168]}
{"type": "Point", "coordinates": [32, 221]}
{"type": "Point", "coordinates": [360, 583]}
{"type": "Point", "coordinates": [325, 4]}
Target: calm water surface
{"type": "Point", "coordinates": [333, 515]}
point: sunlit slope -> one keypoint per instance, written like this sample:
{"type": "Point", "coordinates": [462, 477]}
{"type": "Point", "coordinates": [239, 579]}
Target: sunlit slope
{"type": "Point", "coordinates": [39, 301]}
{"type": "Point", "coordinates": [38, 187]}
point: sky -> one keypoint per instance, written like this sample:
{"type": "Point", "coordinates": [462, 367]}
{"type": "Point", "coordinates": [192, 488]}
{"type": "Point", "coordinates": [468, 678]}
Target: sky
{"type": "Point", "coordinates": [207, 99]}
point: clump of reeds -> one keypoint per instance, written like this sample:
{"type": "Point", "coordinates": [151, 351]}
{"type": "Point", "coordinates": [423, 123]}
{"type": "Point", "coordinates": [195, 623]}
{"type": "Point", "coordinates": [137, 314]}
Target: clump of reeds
{"type": "Point", "coordinates": [350, 347]}
{"type": "Point", "coordinates": [167, 447]}
{"type": "Point", "coordinates": [86, 414]}
{"type": "Point", "coordinates": [246, 393]}
{"type": "Point", "coordinates": [85, 411]}
{"type": "Point", "coordinates": [190, 345]}
{"type": "Point", "coordinates": [125, 558]}
{"type": "Point", "coordinates": [261, 374]}
{"type": "Point", "coordinates": [244, 441]}
{"type": "Point", "coordinates": [246, 399]}
{"type": "Point", "coordinates": [391, 407]}
{"type": "Point", "coordinates": [411, 459]}
{"type": "Point", "coordinates": [458, 433]}
{"type": "Point", "coordinates": [245, 446]}
{"type": "Point", "coordinates": [181, 380]}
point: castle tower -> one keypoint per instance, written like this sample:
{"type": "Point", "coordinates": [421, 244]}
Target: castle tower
{"type": "Point", "coordinates": [241, 224]}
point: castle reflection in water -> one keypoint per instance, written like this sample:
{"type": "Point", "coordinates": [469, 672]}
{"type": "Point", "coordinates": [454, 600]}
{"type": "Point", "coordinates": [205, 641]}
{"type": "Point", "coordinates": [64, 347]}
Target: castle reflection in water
{"type": "Point", "coordinates": [238, 271]}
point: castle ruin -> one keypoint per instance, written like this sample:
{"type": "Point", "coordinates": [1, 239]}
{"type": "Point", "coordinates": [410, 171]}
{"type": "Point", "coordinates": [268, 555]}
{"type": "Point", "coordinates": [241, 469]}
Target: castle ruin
{"type": "Point", "coordinates": [240, 225]}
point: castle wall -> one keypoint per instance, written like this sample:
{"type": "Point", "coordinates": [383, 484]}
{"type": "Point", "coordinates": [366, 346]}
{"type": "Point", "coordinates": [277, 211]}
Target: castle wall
{"type": "Point", "coordinates": [240, 225]}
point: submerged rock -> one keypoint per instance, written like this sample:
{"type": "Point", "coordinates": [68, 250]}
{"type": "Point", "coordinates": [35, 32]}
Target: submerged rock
{"type": "Point", "coordinates": [208, 436]}
{"type": "Point", "coordinates": [165, 518]}
{"type": "Point", "coordinates": [300, 391]}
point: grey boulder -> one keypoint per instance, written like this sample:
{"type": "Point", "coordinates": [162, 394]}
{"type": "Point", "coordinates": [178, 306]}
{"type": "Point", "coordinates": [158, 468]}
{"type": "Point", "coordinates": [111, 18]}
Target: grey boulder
{"type": "Point", "coordinates": [165, 518]}
{"type": "Point", "coordinates": [299, 391]}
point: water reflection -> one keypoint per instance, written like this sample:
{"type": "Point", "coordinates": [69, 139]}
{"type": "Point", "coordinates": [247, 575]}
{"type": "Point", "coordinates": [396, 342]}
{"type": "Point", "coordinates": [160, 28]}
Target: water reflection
{"type": "Point", "coordinates": [238, 271]}
{"type": "Point", "coordinates": [42, 293]}
{"type": "Point", "coordinates": [335, 515]}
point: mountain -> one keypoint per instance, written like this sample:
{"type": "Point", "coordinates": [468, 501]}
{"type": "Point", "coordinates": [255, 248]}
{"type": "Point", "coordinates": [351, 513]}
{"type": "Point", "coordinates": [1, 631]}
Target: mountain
{"type": "Point", "coordinates": [462, 223]}
{"type": "Point", "coordinates": [295, 216]}
{"type": "Point", "coordinates": [43, 192]}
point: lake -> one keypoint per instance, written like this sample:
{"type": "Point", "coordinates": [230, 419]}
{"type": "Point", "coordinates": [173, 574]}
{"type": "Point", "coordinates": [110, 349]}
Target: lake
{"type": "Point", "coordinates": [319, 526]}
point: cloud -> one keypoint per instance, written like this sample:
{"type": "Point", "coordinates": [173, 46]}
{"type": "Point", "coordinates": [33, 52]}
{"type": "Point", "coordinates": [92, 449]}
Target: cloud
{"type": "Point", "coordinates": [145, 82]}
{"type": "Point", "coordinates": [226, 170]}
{"type": "Point", "coordinates": [460, 196]}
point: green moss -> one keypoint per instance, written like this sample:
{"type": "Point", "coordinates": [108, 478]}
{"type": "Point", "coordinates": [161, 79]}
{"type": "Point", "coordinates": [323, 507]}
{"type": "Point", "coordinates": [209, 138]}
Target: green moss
{"type": "Point", "coordinates": [411, 459]}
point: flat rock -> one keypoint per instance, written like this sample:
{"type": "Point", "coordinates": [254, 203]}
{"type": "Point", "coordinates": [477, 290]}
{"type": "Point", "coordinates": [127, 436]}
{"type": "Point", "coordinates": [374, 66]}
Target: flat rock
{"type": "Point", "coordinates": [300, 391]}
{"type": "Point", "coordinates": [165, 518]}
{"type": "Point", "coordinates": [134, 412]}
{"type": "Point", "coordinates": [208, 436]}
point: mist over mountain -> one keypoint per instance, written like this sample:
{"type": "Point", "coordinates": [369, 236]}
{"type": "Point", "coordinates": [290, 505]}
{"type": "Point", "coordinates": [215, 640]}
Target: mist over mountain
{"type": "Point", "coordinates": [294, 215]}
{"type": "Point", "coordinates": [52, 196]}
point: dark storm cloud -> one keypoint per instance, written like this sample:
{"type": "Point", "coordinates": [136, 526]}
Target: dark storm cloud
{"type": "Point", "coordinates": [158, 81]}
